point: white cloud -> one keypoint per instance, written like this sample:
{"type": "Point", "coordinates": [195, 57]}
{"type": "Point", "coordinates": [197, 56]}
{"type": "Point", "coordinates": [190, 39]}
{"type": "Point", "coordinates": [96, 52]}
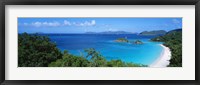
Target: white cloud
{"type": "Point", "coordinates": [45, 23]}
{"type": "Point", "coordinates": [67, 22]}
{"type": "Point", "coordinates": [25, 24]}
{"type": "Point", "coordinates": [50, 24]}
{"type": "Point", "coordinates": [93, 22]}
{"type": "Point", "coordinates": [64, 23]}
{"type": "Point", "coordinates": [86, 23]}
{"type": "Point", "coordinates": [175, 21]}
{"type": "Point", "coordinates": [53, 24]}
{"type": "Point", "coordinates": [36, 24]}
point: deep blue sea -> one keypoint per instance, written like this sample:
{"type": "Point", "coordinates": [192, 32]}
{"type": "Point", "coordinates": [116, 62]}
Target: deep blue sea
{"type": "Point", "coordinates": [145, 53]}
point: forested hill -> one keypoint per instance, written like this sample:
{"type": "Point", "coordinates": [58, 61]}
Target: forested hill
{"type": "Point", "coordinates": [155, 32]}
{"type": "Point", "coordinates": [173, 40]}
{"type": "Point", "coordinates": [176, 30]}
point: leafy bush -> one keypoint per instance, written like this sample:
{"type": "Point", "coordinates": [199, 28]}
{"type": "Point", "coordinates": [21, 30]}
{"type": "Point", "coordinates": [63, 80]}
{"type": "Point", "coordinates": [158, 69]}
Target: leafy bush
{"type": "Point", "coordinates": [69, 60]}
{"type": "Point", "coordinates": [36, 51]}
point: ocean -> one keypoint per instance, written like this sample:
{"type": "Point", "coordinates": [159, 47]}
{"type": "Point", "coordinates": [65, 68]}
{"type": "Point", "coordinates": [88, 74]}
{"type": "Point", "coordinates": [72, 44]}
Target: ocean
{"type": "Point", "coordinates": [145, 53]}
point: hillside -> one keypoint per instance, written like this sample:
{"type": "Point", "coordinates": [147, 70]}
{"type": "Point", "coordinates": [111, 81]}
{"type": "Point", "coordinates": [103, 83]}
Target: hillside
{"type": "Point", "coordinates": [155, 32]}
{"type": "Point", "coordinates": [173, 40]}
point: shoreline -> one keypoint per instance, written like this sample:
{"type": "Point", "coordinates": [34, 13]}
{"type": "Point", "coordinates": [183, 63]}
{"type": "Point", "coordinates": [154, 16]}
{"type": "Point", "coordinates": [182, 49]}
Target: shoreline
{"type": "Point", "coordinates": [163, 60]}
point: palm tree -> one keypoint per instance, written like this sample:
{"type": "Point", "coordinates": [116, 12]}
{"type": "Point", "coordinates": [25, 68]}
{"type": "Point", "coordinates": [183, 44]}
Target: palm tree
{"type": "Point", "coordinates": [92, 52]}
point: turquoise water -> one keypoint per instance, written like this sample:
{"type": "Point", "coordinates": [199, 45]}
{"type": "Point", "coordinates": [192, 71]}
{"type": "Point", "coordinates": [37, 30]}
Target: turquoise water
{"type": "Point", "coordinates": [145, 53]}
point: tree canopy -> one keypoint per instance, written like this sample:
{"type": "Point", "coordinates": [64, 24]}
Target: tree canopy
{"type": "Point", "coordinates": [36, 51]}
{"type": "Point", "coordinates": [173, 40]}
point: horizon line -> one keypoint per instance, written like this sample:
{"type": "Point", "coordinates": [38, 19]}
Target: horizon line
{"type": "Point", "coordinates": [92, 32]}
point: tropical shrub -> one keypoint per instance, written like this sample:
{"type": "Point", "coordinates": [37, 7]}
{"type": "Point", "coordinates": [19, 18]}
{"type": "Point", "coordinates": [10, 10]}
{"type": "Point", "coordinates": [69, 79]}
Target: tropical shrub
{"type": "Point", "coordinates": [36, 51]}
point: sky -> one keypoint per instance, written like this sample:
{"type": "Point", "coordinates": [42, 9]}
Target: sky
{"type": "Point", "coordinates": [82, 25]}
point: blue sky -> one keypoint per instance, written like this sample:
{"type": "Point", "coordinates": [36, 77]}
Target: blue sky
{"type": "Point", "coordinates": [82, 25]}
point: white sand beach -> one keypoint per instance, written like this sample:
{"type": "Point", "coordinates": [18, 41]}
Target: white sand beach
{"type": "Point", "coordinates": [164, 58]}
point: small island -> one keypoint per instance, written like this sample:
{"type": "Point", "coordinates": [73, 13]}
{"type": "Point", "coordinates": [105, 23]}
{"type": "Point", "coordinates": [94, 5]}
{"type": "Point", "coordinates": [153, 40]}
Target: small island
{"type": "Point", "coordinates": [138, 42]}
{"type": "Point", "coordinates": [121, 40]}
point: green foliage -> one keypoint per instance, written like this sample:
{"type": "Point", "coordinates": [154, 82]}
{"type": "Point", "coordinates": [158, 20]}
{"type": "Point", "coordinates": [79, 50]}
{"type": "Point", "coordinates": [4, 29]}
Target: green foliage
{"type": "Point", "coordinates": [91, 52]}
{"type": "Point", "coordinates": [69, 60]}
{"type": "Point", "coordinates": [121, 40]}
{"type": "Point", "coordinates": [36, 51]}
{"type": "Point", "coordinates": [173, 40]}
{"type": "Point", "coordinates": [96, 58]}
{"type": "Point", "coordinates": [119, 63]}
{"type": "Point", "coordinates": [138, 42]}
